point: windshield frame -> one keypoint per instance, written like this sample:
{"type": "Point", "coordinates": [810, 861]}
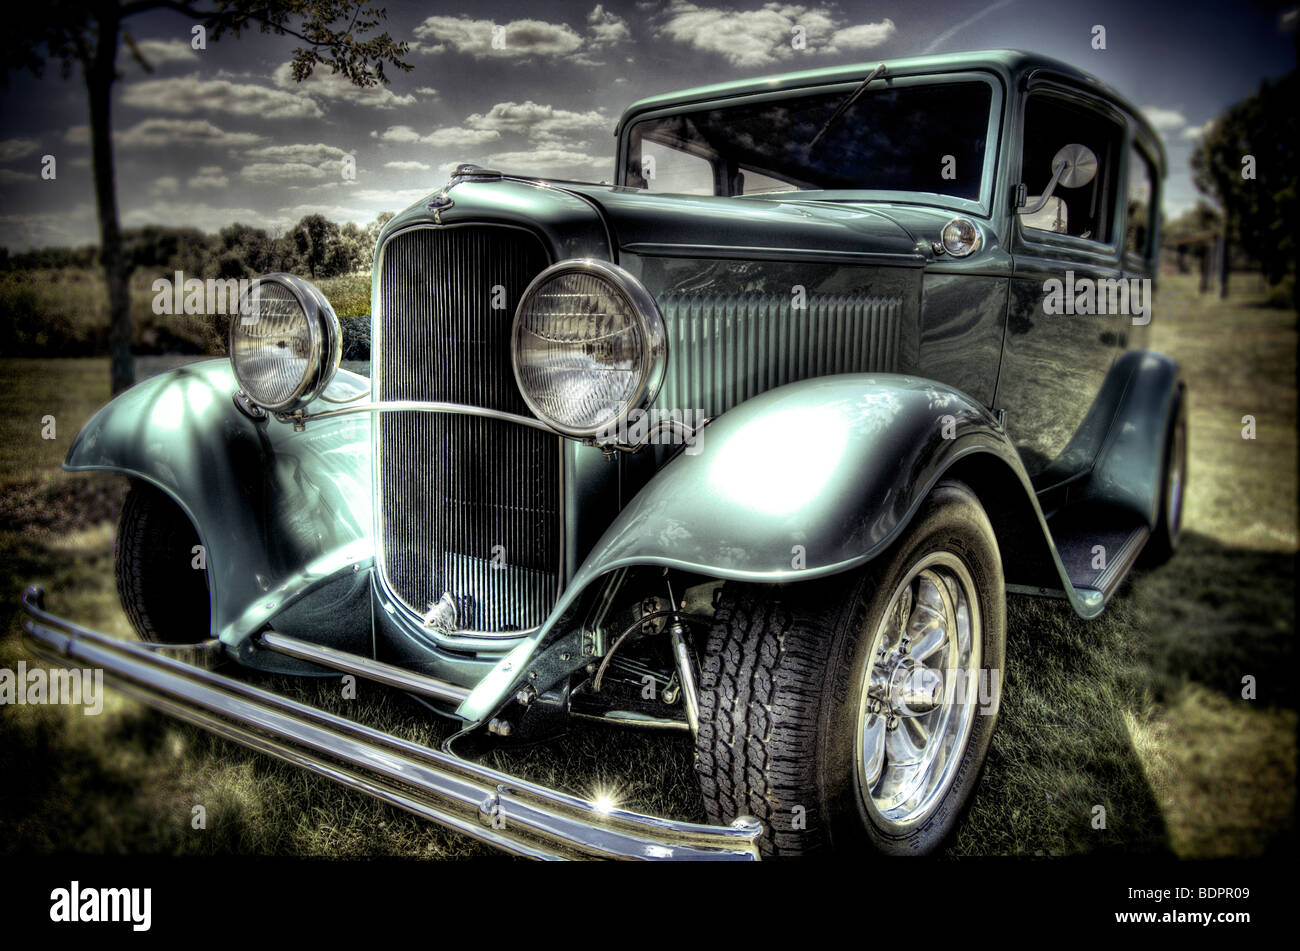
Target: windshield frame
{"type": "Point", "coordinates": [992, 139]}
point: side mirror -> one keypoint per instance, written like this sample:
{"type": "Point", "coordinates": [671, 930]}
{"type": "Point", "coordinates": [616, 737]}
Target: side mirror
{"type": "Point", "coordinates": [1072, 167]}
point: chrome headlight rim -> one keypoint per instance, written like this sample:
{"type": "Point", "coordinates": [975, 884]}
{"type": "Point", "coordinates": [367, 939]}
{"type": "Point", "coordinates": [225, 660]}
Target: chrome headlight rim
{"type": "Point", "coordinates": [961, 250]}
{"type": "Point", "coordinates": [649, 323]}
{"type": "Point", "coordinates": [325, 342]}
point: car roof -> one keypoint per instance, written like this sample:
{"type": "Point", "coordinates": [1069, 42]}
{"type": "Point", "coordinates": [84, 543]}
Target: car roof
{"type": "Point", "coordinates": [1013, 64]}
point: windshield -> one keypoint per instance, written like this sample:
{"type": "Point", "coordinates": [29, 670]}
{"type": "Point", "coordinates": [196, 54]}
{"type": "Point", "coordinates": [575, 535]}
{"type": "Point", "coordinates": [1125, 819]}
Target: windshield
{"type": "Point", "coordinates": [914, 138]}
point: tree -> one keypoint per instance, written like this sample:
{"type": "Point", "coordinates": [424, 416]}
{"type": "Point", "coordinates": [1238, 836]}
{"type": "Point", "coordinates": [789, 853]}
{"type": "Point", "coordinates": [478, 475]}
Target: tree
{"type": "Point", "coordinates": [86, 34]}
{"type": "Point", "coordinates": [1247, 161]}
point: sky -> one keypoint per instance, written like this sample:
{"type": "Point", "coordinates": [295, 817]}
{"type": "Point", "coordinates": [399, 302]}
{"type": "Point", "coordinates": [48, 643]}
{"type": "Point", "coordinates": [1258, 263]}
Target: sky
{"type": "Point", "coordinates": [223, 134]}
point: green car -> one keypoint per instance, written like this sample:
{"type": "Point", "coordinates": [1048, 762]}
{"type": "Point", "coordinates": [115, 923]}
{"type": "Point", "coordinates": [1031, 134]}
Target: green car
{"type": "Point", "coordinates": [751, 444]}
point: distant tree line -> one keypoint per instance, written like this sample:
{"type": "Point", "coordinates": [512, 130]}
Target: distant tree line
{"type": "Point", "coordinates": [315, 247]}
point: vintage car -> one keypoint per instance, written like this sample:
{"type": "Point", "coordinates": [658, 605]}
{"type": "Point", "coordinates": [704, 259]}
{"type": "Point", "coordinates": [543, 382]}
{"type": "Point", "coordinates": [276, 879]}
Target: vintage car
{"type": "Point", "coordinates": [751, 444]}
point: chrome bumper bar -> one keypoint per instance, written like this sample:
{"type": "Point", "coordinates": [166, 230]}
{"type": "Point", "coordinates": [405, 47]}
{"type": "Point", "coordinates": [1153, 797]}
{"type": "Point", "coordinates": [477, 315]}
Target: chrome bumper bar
{"type": "Point", "coordinates": [512, 814]}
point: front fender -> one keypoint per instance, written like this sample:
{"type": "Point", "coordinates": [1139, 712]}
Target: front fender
{"type": "Point", "coordinates": [805, 480]}
{"type": "Point", "coordinates": [278, 512]}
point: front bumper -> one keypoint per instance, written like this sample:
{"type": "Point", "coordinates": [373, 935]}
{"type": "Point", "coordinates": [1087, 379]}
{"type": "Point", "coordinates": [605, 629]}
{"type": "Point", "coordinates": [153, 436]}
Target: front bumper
{"type": "Point", "coordinates": [512, 814]}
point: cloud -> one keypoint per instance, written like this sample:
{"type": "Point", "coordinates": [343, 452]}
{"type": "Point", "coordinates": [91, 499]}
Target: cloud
{"type": "Point", "coordinates": [761, 37]}
{"type": "Point", "coordinates": [167, 185]}
{"type": "Point", "coordinates": [605, 28]}
{"type": "Point", "coordinates": [864, 36]}
{"type": "Point", "coordinates": [209, 176]}
{"type": "Point", "coordinates": [161, 52]}
{"type": "Point", "coordinates": [1164, 120]}
{"type": "Point", "coordinates": [317, 153]}
{"type": "Point", "coordinates": [408, 166]}
{"type": "Point", "coordinates": [549, 161]}
{"type": "Point", "coordinates": [521, 39]}
{"type": "Point", "coordinates": [1196, 132]}
{"type": "Point", "coordinates": [9, 177]}
{"type": "Point", "coordinates": [281, 173]}
{"type": "Point", "coordinates": [428, 92]}
{"type": "Point", "coordinates": [163, 133]}
{"type": "Point", "coordinates": [194, 214]}
{"type": "Point", "coordinates": [961, 27]}
{"type": "Point", "coordinates": [538, 121]}
{"type": "Point", "coordinates": [190, 94]}
{"type": "Point", "coordinates": [448, 136]}
{"type": "Point", "coordinates": [336, 86]}
{"type": "Point", "coordinates": [517, 39]}
{"type": "Point", "coordinates": [11, 150]}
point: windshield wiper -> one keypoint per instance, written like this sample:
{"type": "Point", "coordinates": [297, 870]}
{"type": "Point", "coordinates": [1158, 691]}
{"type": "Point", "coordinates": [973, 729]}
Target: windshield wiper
{"type": "Point", "coordinates": [849, 100]}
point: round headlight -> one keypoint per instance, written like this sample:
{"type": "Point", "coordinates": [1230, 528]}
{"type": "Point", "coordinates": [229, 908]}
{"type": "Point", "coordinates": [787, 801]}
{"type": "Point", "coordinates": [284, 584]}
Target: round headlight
{"type": "Point", "coordinates": [960, 237]}
{"type": "Point", "coordinates": [588, 347]}
{"type": "Point", "coordinates": [285, 342]}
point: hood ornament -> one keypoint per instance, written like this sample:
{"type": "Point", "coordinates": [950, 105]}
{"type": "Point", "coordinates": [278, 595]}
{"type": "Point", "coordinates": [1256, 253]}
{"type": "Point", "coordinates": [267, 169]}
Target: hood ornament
{"type": "Point", "coordinates": [440, 203]}
{"type": "Point", "coordinates": [441, 616]}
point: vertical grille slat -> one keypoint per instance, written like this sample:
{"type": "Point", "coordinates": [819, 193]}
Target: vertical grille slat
{"type": "Point", "coordinates": [454, 487]}
{"type": "Point", "coordinates": [727, 349]}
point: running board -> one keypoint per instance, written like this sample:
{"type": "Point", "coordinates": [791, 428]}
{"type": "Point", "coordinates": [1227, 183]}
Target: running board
{"type": "Point", "coordinates": [375, 670]}
{"type": "Point", "coordinates": [515, 815]}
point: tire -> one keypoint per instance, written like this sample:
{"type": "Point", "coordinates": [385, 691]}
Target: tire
{"type": "Point", "coordinates": [785, 704]}
{"type": "Point", "coordinates": [1173, 488]}
{"type": "Point", "coordinates": [163, 594]}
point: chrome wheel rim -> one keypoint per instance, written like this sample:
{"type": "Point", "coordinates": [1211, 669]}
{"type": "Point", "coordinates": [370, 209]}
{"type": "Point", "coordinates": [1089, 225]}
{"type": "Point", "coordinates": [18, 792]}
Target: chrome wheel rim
{"type": "Point", "coordinates": [919, 694]}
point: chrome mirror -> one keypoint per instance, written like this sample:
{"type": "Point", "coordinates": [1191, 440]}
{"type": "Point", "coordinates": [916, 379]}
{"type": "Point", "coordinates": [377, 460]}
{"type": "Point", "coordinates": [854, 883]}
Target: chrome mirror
{"type": "Point", "coordinates": [1072, 167]}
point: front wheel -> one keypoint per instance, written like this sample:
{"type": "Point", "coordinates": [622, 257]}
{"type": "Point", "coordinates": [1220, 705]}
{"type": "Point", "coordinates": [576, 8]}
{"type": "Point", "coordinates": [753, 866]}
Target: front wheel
{"type": "Point", "coordinates": [857, 710]}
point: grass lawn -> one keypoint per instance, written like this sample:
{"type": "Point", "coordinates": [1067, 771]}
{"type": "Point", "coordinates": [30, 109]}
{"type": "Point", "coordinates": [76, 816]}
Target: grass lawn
{"type": "Point", "coordinates": [1140, 711]}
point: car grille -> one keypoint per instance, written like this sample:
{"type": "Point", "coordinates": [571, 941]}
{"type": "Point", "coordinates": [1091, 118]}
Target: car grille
{"type": "Point", "coordinates": [468, 506]}
{"type": "Point", "coordinates": [726, 349]}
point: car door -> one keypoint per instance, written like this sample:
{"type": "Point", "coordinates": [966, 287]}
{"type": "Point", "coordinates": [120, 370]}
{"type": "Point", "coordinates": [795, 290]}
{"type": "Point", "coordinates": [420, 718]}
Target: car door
{"type": "Point", "coordinates": [1055, 358]}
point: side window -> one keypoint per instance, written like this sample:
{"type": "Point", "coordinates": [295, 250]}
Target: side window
{"type": "Point", "coordinates": [1087, 211]}
{"type": "Point", "coordinates": [664, 169]}
{"type": "Point", "coordinates": [1137, 231]}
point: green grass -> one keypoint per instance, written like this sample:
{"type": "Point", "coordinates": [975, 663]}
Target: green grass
{"type": "Point", "coordinates": [1139, 711]}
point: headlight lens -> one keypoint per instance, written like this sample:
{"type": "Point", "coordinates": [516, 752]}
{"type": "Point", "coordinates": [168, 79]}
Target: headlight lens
{"type": "Point", "coordinates": [588, 346]}
{"type": "Point", "coordinates": [285, 342]}
{"type": "Point", "coordinates": [960, 237]}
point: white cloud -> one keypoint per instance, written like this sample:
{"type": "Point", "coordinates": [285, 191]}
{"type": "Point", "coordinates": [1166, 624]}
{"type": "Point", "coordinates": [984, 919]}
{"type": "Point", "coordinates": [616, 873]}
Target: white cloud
{"type": "Point", "coordinates": [427, 91]}
{"type": "Point", "coordinates": [160, 52]}
{"type": "Point", "coordinates": [447, 136]}
{"type": "Point", "coordinates": [317, 153]}
{"type": "Point", "coordinates": [1195, 132]}
{"type": "Point", "coordinates": [605, 28]}
{"type": "Point", "coordinates": [1164, 120]}
{"type": "Point", "coordinates": [521, 38]}
{"type": "Point", "coordinates": [549, 161]}
{"type": "Point", "coordinates": [167, 185]}
{"type": "Point", "coordinates": [538, 121]}
{"type": "Point", "coordinates": [281, 173]}
{"type": "Point", "coordinates": [339, 88]}
{"type": "Point", "coordinates": [863, 36]}
{"type": "Point", "coordinates": [162, 133]}
{"type": "Point", "coordinates": [408, 166]}
{"type": "Point", "coordinates": [9, 177]}
{"type": "Point", "coordinates": [762, 37]}
{"type": "Point", "coordinates": [209, 176]}
{"type": "Point", "coordinates": [11, 150]}
{"type": "Point", "coordinates": [190, 94]}
{"type": "Point", "coordinates": [193, 214]}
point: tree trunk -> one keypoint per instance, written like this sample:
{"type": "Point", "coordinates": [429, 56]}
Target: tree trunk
{"type": "Point", "coordinates": [100, 74]}
{"type": "Point", "coordinates": [1225, 259]}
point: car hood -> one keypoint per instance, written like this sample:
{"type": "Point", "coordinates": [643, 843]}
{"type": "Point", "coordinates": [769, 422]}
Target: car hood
{"type": "Point", "coordinates": [648, 222]}
{"type": "Point", "coordinates": [578, 219]}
